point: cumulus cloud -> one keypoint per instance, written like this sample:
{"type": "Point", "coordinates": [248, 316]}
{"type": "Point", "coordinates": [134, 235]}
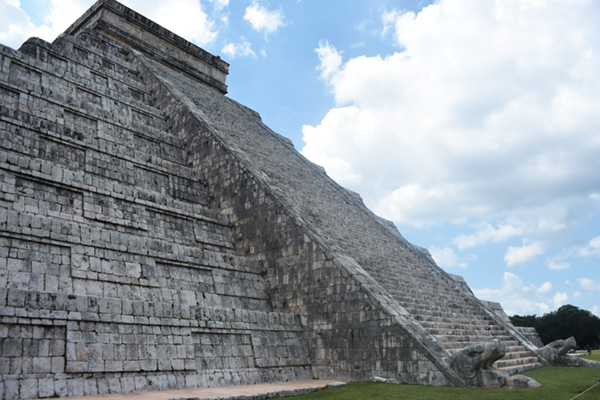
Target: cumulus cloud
{"type": "Point", "coordinates": [389, 18]}
{"type": "Point", "coordinates": [263, 19]}
{"type": "Point", "coordinates": [489, 233]}
{"type": "Point", "coordinates": [518, 298]}
{"type": "Point", "coordinates": [243, 49]}
{"type": "Point", "coordinates": [220, 4]}
{"type": "Point", "coordinates": [560, 299]}
{"type": "Point", "coordinates": [487, 109]}
{"type": "Point", "coordinates": [184, 17]}
{"type": "Point", "coordinates": [592, 249]}
{"type": "Point", "coordinates": [18, 26]}
{"type": "Point", "coordinates": [330, 60]}
{"type": "Point", "coordinates": [546, 287]}
{"type": "Point", "coordinates": [558, 266]}
{"type": "Point", "coordinates": [447, 258]}
{"type": "Point", "coordinates": [16, 22]}
{"type": "Point", "coordinates": [589, 284]}
{"type": "Point", "coordinates": [520, 255]}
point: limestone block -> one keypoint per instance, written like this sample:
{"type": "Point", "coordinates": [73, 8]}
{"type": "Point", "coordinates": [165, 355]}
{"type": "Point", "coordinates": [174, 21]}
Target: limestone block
{"type": "Point", "coordinates": [42, 365]}
{"type": "Point", "coordinates": [90, 387]}
{"type": "Point", "coordinates": [11, 388]}
{"type": "Point", "coordinates": [46, 387]}
{"type": "Point", "coordinates": [58, 365]}
{"type": "Point", "coordinates": [128, 384]}
{"type": "Point", "coordinates": [28, 388]}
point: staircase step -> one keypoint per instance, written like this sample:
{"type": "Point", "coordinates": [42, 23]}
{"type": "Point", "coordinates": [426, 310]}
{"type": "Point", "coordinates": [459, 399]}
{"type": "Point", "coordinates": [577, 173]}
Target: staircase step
{"type": "Point", "coordinates": [514, 362]}
{"type": "Point", "coordinates": [476, 330]}
{"type": "Point", "coordinates": [519, 369]}
{"type": "Point", "coordinates": [454, 347]}
{"type": "Point", "coordinates": [447, 322]}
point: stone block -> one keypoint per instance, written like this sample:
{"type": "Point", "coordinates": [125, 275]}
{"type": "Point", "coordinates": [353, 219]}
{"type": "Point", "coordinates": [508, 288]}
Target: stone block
{"type": "Point", "coordinates": [114, 385]}
{"type": "Point", "coordinates": [141, 383]}
{"type": "Point", "coordinates": [42, 365]}
{"type": "Point", "coordinates": [11, 389]}
{"type": "Point", "coordinates": [77, 367]}
{"type": "Point", "coordinates": [90, 387]}
{"type": "Point", "coordinates": [28, 388]}
{"type": "Point", "coordinates": [46, 387]}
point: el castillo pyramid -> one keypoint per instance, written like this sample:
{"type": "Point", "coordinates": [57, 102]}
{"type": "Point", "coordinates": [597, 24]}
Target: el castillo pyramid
{"type": "Point", "coordinates": [155, 234]}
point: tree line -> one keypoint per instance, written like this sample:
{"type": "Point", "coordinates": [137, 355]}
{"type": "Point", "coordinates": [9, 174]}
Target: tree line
{"type": "Point", "coordinates": [567, 321]}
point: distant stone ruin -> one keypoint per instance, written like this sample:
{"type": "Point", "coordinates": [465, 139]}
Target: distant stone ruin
{"type": "Point", "coordinates": [156, 234]}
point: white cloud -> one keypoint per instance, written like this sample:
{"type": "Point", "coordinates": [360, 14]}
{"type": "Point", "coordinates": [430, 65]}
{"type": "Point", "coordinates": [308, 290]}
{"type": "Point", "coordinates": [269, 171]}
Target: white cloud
{"type": "Point", "coordinates": [184, 17]}
{"type": "Point", "coordinates": [520, 255]}
{"type": "Point", "coordinates": [330, 59]}
{"type": "Point", "coordinates": [63, 13]}
{"type": "Point", "coordinates": [592, 249]}
{"type": "Point", "coordinates": [577, 294]}
{"type": "Point", "coordinates": [541, 221]}
{"type": "Point", "coordinates": [516, 297]}
{"type": "Point", "coordinates": [18, 26]}
{"type": "Point", "coordinates": [489, 233]}
{"type": "Point", "coordinates": [558, 266]}
{"type": "Point", "coordinates": [243, 49]}
{"type": "Point", "coordinates": [389, 18]}
{"type": "Point", "coordinates": [489, 109]}
{"type": "Point", "coordinates": [262, 19]}
{"type": "Point", "coordinates": [560, 299]}
{"type": "Point", "coordinates": [596, 311]}
{"type": "Point", "coordinates": [447, 258]}
{"type": "Point", "coordinates": [220, 4]}
{"type": "Point", "coordinates": [546, 287]}
{"type": "Point", "coordinates": [588, 284]}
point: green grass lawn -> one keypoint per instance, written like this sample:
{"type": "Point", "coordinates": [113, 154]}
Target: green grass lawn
{"type": "Point", "coordinates": [557, 384]}
{"type": "Point", "coordinates": [595, 355]}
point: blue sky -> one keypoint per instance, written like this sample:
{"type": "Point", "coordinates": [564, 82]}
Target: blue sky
{"type": "Point", "coordinates": [473, 125]}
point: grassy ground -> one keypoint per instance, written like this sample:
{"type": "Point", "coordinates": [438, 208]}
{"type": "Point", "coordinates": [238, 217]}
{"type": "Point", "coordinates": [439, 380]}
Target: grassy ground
{"type": "Point", "coordinates": [557, 384]}
{"type": "Point", "coordinates": [595, 355]}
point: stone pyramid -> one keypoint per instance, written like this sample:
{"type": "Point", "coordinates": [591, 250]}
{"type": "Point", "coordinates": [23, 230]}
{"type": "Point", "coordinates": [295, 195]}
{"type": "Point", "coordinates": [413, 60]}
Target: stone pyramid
{"type": "Point", "coordinates": [155, 234]}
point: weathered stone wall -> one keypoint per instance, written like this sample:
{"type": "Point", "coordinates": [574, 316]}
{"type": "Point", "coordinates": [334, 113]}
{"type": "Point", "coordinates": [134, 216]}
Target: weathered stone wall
{"type": "Point", "coordinates": [444, 308]}
{"type": "Point", "coordinates": [115, 274]}
{"type": "Point", "coordinates": [351, 323]}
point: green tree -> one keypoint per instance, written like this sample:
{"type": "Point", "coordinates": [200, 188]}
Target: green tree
{"type": "Point", "coordinates": [567, 321]}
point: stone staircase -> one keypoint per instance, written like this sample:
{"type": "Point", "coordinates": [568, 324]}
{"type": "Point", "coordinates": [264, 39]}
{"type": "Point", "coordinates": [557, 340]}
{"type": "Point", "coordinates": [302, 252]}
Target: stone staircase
{"type": "Point", "coordinates": [399, 267]}
{"type": "Point", "coordinates": [457, 322]}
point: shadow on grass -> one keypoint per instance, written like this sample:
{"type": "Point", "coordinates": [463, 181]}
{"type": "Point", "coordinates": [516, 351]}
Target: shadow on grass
{"type": "Point", "coordinates": [558, 383]}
